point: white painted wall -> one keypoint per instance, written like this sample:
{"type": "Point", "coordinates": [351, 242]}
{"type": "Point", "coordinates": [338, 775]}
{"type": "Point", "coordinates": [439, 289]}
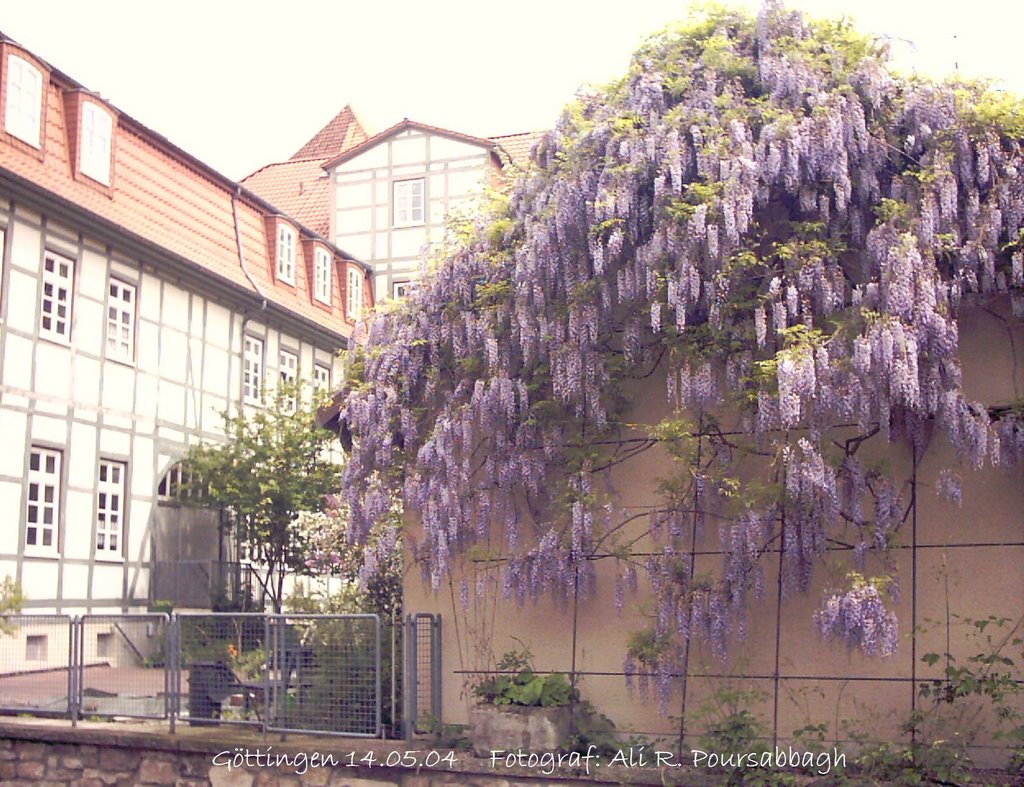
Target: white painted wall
{"type": "Point", "coordinates": [455, 173]}
{"type": "Point", "coordinates": [70, 397]}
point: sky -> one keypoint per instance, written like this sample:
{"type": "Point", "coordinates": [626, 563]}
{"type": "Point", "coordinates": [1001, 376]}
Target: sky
{"type": "Point", "coordinates": [242, 84]}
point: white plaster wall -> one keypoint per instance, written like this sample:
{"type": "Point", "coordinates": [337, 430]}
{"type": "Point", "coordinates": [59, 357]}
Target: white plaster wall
{"type": "Point", "coordinates": [70, 397]}
{"type": "Point", "coordinates": [21, 300]}
{"type": "Point", "coordinates": [455, 173]}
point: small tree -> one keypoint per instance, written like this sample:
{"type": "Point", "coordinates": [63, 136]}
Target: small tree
{"type": "Point", "coordinates": [11, 600]}
{"type": "Point", "coordinates": [274, 465]}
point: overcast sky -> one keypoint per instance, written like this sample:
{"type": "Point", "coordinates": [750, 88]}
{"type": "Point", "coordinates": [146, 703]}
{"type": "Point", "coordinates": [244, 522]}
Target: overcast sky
{"type": "Point", "coordinates": [240, 84]}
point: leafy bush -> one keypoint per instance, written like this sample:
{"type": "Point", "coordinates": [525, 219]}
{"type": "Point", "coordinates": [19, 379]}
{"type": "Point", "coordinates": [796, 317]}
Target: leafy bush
{"type": "Point", "coordinates": [519, 684]}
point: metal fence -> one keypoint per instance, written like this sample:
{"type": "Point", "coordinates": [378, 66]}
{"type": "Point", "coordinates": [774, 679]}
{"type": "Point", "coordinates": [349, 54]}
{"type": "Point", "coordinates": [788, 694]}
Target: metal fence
{"type": "Point", "coordinates": [422, 693]}
{"type": "Point", "coordinates": [35, 664]}
{"type": "Point", "coordinates": [222, 661]}
{"type": "Point", "coordinates": [122, 666]}
{"type": "Point", "coordinates": [324, 674]}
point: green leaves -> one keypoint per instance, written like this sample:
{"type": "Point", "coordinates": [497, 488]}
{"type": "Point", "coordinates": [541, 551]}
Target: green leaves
{"type": "Point", "coordinates": [524, 687]}
{"type": "Point", "coordinates": [275, 463]}
{"type": "Point", "coordinates": [11, 600]}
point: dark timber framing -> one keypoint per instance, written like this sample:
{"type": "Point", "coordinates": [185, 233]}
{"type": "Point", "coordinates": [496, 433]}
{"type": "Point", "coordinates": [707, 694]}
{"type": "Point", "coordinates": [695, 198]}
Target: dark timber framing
{"type": "Point", "coordinates": [113, 423]}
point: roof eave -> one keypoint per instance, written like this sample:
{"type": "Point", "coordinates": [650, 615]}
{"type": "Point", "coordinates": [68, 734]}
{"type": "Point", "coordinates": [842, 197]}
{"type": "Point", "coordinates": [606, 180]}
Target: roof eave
{"type": "Point", "coordinates": [402, 125]}
{"type": "Point", "coordinates": [188, 272]}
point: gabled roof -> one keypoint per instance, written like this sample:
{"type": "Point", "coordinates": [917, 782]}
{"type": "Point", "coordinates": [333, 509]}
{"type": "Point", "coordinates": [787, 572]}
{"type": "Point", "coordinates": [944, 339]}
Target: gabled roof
{"type": "Point", "coordinates": [299, 187]}
{"type": "Point", "coordinates": [344, 131]}
{"type": "Point", "coordinates": [404, 125]}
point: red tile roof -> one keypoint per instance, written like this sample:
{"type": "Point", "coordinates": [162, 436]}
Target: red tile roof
{"type": "Point", "coordinates": [343, 132]}
{"type": "Point", "coordinates": [297, 186]}
{"type": "Point", "coordinates": [165, 196]}
{"type": "Point", "coordinates": [518, 147]}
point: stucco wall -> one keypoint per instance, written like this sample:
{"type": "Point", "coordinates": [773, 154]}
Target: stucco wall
{"type": "Point", "coordinates": [955, 563]}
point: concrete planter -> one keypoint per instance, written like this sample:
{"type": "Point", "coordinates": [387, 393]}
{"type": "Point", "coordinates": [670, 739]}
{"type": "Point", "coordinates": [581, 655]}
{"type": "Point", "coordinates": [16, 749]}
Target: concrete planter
{"type": "Point", "coordinates": [512, 727]}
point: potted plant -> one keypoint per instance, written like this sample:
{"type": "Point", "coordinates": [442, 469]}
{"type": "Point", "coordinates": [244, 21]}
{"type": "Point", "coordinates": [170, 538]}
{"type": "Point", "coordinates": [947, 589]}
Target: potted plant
{"type": "Point", "coordinates": [517, 708]}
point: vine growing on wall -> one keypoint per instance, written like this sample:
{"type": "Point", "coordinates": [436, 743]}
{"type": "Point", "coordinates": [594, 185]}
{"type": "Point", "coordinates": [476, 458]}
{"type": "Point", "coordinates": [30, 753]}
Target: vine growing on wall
{"type": "Point", "coordinates": [761, 217]}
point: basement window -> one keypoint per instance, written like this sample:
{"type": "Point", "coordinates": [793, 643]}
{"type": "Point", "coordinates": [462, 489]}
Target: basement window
{"type": "Point", "coordinates": [35, 647]}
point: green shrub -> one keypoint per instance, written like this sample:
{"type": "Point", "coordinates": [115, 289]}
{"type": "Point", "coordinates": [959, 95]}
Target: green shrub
{"type": "Point", "coordinates": [519, 684]}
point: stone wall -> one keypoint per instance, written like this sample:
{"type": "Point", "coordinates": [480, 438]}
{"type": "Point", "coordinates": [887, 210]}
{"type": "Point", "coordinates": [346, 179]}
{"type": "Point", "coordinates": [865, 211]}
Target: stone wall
{"type": "Point", "coordinates": [46, 754]}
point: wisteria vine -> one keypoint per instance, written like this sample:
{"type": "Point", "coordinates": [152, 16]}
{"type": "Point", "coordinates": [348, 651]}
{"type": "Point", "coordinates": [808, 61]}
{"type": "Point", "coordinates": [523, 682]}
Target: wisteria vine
{"type": "Point", "coordinates": [761, 215]}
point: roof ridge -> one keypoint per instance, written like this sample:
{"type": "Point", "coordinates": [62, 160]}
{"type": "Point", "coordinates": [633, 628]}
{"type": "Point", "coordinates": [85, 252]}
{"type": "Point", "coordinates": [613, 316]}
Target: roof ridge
{"type": "Point", "coordinates": [402, 124]}
{"type": "Point", "coordinates": [267, 166]}
{"type": "Point", "coordinates": [517, 134]}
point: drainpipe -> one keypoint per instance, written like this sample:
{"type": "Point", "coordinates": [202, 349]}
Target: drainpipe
{"type": "Point", "coordinates": [241, 253]}
{"type": "Point", "coordinates": [241, 261]}
{"type": "Point", "coordinates": [246, 316]}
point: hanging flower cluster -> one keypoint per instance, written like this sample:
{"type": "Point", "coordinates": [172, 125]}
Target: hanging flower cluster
{"type": "Point", "coordinates": [760, 214]}
{"type": "Point", "coordinates": [859, 619]}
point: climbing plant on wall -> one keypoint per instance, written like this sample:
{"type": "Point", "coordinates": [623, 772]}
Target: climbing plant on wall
{"type": "Point", "coordinates": [765, 218]}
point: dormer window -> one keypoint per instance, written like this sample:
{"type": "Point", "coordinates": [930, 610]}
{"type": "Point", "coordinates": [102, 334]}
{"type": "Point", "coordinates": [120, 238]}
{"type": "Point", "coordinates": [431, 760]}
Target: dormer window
{"type": "Point", "coordinates": [354, 307]}
{"type": "Point", "coordinates": [97, 133]}
{"type": "Point", "coordinates": [286, 254]}
{"type": "Point", "coordinates": [408, 202]}
{"type": "Point", "coordinates": [322, 276]}
{"type": "Point", "coordinates": [24, 112]}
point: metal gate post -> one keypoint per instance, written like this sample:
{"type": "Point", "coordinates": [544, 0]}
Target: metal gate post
{"type": "Point", "coordinates": [267, 661]}
{"type": "Point", "coordinates": [172, 672]}
{"type": "Point", "coordinates": [394, 628]}
{"type": "Point", "coordinates": [410, 688]}
{"type": "Point", "coordinates": [435, 667]}
{"type": "Point", "coordinates": [378, 679]}
{"type": "Point", "coordinates": [74, 665]}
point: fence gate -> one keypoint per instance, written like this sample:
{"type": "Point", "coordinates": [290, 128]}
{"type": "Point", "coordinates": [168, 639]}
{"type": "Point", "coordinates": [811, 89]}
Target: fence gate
{"type": "Point", "coordinates": [220, 671]}
{"type": "Point", "coordinates": [324, 674]}
{"type": "Point", "coordinates": [125, 665]}
{"type": "Point", "coordinates": [422, 685]}
{"type": "Point", "coordinates": [36, 674]}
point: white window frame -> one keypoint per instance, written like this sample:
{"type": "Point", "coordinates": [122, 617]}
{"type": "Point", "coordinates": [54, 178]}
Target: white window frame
{"type": "Point", "coordinates": [56, 294]}
{"type": "Point", "coordinates": [169, 485]}
{"type": "Point", "coordinates": [110, 508]}
{"type": "Point", "coordinates": [321, 376]}
{"type": "Point", "coordinates": [121, 300]}
{"type": "Point", "coordinates": [42, 502]}
{"type": "Point", "coordinates": [322, 276]}
{"type": "Point", "coordinates": [288, 371]}
{"type": "Point", "coordinates": [174, 480]}
{"type": "Point", "coordinates": [286, 254]}
{"type": "Point", "coordinates": [401, 289]}
{"type": "Point", "coordinates": [252, 370]}
{"type": "Point", "coordinates": [104, 644]}
{"type": "Point", "coordinates": [23, 116]}
{"type": "Point", "coordinates": [245, 552]}
{"type": "Point", "coordinates": [36, 647]}
{"type": "Point", "coordinates": [410, 207]}
{"type": "Point", "coordinates": [96, 138]}
{"type": "Point", "coordinates": [354, 294]}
